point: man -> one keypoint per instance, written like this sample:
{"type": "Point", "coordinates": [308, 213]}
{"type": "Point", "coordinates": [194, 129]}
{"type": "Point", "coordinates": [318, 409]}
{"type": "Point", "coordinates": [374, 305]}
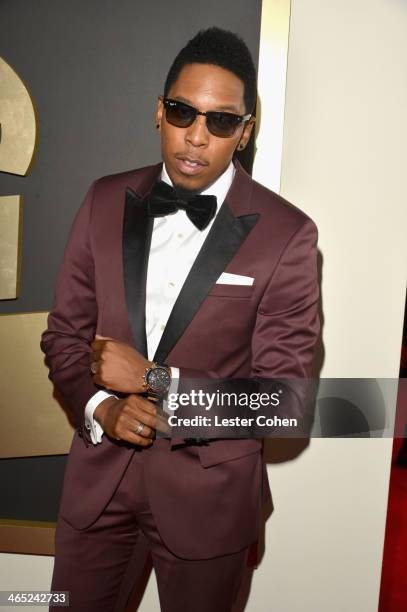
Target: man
{"type": "Point", "coordinates": [159, 285]}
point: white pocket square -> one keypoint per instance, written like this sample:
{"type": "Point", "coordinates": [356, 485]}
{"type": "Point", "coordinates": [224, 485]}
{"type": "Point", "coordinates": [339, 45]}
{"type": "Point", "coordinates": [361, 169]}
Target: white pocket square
{"type": "Point", "coordinates": [234, 279]}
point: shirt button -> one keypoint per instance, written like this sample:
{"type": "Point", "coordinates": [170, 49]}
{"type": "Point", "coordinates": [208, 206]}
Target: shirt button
{"type": "Point", "coordinates": [180, 235]}
{"type": "Point", "coordinates": [162, 327]}
{"type": "Point", "coordinates": [171, 284]}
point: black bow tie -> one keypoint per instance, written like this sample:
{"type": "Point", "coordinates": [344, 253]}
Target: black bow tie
{"type": "Point", "coordinates": [164, 200]}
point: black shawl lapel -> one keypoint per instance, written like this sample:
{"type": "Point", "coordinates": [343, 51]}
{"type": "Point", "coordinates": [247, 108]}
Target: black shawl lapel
{"type": "Point", "coordinates": [137, 231]}
{"type": "Point", "coordinates": [223, 241]}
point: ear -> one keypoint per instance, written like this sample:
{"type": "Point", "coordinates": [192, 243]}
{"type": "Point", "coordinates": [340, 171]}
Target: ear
{"type": "Point", "coordinates": [247, 130]}
{"type": "Point", "coordinates": [159, 113]}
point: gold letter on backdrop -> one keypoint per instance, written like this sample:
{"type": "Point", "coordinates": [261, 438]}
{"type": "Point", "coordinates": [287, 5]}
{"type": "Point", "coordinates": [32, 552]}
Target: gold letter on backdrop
{"type": "Point", "coordinates": [18, 129]}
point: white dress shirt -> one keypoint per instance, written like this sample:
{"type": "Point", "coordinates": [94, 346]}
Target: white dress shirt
{"type": "Point", "coordinates": [175, 244]}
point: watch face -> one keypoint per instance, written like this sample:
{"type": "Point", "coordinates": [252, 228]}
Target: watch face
{"type": "Point", "coordinates": [158, 379]}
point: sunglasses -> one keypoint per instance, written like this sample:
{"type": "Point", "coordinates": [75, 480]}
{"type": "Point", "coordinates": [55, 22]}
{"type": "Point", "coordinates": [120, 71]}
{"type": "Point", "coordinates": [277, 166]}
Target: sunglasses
{"type": "Point", "coordinates": [218, 123]}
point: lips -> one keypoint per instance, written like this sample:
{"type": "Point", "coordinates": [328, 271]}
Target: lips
{"type": "Point", "coordinates": [189, 165]}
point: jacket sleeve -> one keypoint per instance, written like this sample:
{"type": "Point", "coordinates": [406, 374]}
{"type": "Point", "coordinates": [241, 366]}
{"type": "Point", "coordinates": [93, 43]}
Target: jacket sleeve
{"type": "Point", "coordinates": [72, 320]}
{"type": "Point", "coordinates": [287, 328]}
{"type": "Point", "coordinates": [287, 322]}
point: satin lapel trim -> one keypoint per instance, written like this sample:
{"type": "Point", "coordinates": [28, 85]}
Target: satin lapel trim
{"type": "Point", "coordinates": [223, 241]}
{"type": "Point", "coordinates": [137, 232]}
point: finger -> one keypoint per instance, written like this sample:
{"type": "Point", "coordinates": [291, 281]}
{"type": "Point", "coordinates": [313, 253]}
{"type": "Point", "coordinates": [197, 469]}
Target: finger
{"type": "Point", "coordinates": [162, 424]}
{"type": "Point", "coordinates": [94, 367]}
{"type": "Point", "coordinates": [137, 439]}
{"type": "Point", "coordinates": [141, 412]}
{"type": "Point", "coordinates": [98, 337]}
{"type": "Point", "coordinates": [100, 377]}
{"type": "Point", "coordinates": [144, 417]}
{"type": "Point", "coordinates": [97, 345]}
{"type": "Point", "coordinates": [124, 430]}
{"type": "Point", "coordinates": [143, 403]}
{"type": "Point", "coordinates": [163, 427]}
{"type": "Point", "coordinates": [97, 354]}
{"type": "Point", "coordinates": [145, 432]}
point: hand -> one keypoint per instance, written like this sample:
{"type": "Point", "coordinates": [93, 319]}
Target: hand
{"type": "Point", "coordinates": [119, 419]}
{"type": "Point", "coordinates": [118, 366]}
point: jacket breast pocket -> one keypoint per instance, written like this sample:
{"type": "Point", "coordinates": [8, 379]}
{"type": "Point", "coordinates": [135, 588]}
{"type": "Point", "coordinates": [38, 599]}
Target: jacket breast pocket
{"type": "Point", "coordinates": [231, 291]}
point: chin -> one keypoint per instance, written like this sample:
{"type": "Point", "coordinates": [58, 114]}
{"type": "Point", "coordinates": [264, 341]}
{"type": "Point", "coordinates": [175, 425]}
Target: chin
{"type": "Point", "coordinates": [189, 184]}
{"type": "Point", "coordinates": [186, 189]}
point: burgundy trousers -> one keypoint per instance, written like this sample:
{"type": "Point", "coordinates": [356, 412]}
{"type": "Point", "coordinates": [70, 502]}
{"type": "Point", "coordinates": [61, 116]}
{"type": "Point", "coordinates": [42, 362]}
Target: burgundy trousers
{"type": "Point", "coordinates": [95, 565]}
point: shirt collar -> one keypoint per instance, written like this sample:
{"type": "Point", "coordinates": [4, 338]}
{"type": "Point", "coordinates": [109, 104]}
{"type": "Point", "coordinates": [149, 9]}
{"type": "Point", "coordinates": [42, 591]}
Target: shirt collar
{"type": "Point", "coordinates": [218, 188]}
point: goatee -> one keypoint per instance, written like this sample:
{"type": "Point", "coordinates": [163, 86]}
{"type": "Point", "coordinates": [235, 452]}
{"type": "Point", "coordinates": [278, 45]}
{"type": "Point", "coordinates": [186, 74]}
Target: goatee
{"type": "Point", "coordinates": [184, 194]}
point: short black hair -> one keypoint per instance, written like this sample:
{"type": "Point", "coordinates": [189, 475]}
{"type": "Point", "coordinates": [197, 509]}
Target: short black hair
{"type": "Point", "coordinates": [220, 48]}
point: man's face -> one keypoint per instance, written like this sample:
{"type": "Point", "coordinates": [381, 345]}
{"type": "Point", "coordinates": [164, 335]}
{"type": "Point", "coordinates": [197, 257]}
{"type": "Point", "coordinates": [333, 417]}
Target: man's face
{"type": "Point", "coordinates": [194, 158]}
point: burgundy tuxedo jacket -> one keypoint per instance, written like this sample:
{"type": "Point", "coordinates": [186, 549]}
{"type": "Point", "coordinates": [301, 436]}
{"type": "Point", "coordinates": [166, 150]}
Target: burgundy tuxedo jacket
{"type": "Point", "coordinates": [206, 499]}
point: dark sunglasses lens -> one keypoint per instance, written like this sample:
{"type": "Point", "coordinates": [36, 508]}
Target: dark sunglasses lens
{"type": "Point", "coordinates": [222, 124]}
{"type": "Point", "coordinates": [179, 114]}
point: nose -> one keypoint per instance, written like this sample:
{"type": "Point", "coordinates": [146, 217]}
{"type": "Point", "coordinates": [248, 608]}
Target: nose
{"type": "Point", "coordinates": [197, 134]}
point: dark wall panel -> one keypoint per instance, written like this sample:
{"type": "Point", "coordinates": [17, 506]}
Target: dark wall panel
{"type": "Point", "coordinates": [33, 486]}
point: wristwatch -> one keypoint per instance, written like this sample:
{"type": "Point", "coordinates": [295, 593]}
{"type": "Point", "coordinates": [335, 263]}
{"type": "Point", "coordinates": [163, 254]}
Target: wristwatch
{"type": "Point", "coordinates": [157, 379]}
